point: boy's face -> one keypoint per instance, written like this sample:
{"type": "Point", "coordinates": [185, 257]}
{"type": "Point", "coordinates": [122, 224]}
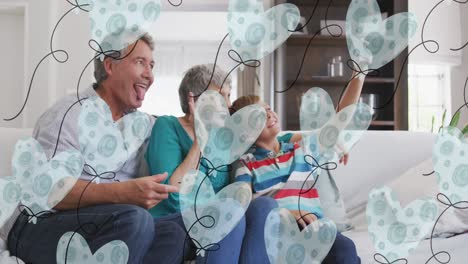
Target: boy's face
{"type": "Point", "coordinates": [272, 128]}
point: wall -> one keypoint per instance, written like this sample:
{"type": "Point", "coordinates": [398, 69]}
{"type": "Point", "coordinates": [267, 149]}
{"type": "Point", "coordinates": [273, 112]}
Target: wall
{"type": "Point", "coordinates": [447, 25]}
{"type": "Point", "coordinates": [72, 36]}
{"type": "Point", "coordinates": [37, 28]}
{"type": "Point", "coordinates": [12, 68]}
{"type": "Point", "coordinates": [52, 79]}
{"type": "Point", "coordinates": [443, 26]}
{"type": "Point", "coordinates": [459, 74]}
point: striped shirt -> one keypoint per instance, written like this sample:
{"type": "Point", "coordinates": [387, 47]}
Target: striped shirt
{"type": "Point", "coordinates": [286, 176]}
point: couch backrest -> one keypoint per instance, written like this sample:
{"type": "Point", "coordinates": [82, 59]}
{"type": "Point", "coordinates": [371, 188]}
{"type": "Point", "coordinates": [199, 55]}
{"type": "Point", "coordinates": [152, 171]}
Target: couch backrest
{"type": "Point", "coordinates": [378, 158]}
{"type": "Point", "coordinates": [8, 139]}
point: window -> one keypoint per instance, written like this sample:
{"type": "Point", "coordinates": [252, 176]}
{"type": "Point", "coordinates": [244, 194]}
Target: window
{"type": "Point", "coordinates": [192, 38]}
{"type": "Point", "coordinates": [429, 96]}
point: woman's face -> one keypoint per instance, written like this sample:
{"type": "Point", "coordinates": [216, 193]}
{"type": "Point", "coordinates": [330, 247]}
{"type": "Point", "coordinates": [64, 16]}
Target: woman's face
{"type": "Point", "coordinates": [272, 127]}
{"type": "Point", "coordinates": [225, 92]}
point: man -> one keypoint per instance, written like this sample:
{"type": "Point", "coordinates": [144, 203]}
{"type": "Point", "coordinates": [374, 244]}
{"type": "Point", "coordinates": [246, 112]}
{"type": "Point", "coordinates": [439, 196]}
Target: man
{"type": "Point", "coordinates": [115, 209]}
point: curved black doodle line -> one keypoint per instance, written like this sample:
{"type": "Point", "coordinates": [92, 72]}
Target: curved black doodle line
{"type": "Point", "coordinates": [78, 5]}
{"type": "Point", "coordinates": [55, 28]}
{"type": "Point", "coordinates": [31, 83]}
{"type": "Point", "coordinates": [316, 166]}
{"type": "Point", "coordinates": [61, 125]}
{"type": "Point", "coordinates": [110, 219]}
{"type": "Point", "coordinates": [461, 205]}
{"type": "Point", "coordinates": [52, 52]}
{"type": "Point", "coordinates": [175, 5]}
{"type": "Point", "coordinates": [305, 55]}
{"type": "Point", "coordinates": [95, 176]}
{"type": "Point", "coordinates": [459, 109]}
{"type": "Point", "coordinates": [359, 71]}
{"type": "Point", "coordinates": [447, 201]}
{"type": "Point", "coordinates": [462, 47]}
{"type": "Point", "coordinates": [429, 173]}
{"type": "Point", "coordinates": [310, 42]}
{"type": "Point", "coordinates": [248, 63]}
{"type": "Point", "coordinates": [26, 211]}
{"type": "Point", "coordinates": [356, 68]}
{"type": "Point", "coordinates": [83, 226]}
{"type": "Point", "coordinates": [214, 66]}
{"type": "Point", "coordinates": [423, 30]}
{"type": "Point", "coordinates": [405, 63]}
{"type": "Point", "coordinates": [239, 60]}
{"type": "Point", "coordinates": [427, 18]}
{"type": "Point", "coordinates": [309, 19]}
{"type": "Point", "coordinates": [114, 54]}
{"type": "Point", "coordinates": [44, 214]}
{"type": "Point", "coordinates": [209, 169]}
{"type": "Point", "coordinates": [326, 22]}
{"type": "Point", "coordinates": [386, 261]}
{"type": "Point", "coordinates": [423, 43]}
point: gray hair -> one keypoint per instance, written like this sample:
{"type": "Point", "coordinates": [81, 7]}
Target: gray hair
{"type": "Point", "coordinates": [100, 73]}
{"type": "Point", "coordinates": [196, 80]}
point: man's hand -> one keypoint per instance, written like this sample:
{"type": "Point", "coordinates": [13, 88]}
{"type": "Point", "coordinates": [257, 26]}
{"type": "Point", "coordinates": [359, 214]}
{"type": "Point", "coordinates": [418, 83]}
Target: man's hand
{"type": "Point", "coordinates": [145, 192]}
{"type": "Point", "coordinates": [303, 218]}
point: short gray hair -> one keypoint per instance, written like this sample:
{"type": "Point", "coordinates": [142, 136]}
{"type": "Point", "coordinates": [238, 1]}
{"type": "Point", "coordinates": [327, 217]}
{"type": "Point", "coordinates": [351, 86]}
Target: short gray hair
{"type": "Point", "coordinates": [197, 79]}
{"type": "Point", "coordinates": [100, 73]}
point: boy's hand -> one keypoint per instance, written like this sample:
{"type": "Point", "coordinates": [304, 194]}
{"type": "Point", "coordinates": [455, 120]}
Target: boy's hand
{"type": "Point", "coordinates": [344, 159]}
{"type": "Point", "coordinates": [303, 218]}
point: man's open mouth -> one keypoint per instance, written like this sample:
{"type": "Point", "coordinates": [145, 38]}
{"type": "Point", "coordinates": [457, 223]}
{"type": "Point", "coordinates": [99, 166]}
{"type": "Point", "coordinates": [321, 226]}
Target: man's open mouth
{"type": "Point", "coordinates": [141, 89]}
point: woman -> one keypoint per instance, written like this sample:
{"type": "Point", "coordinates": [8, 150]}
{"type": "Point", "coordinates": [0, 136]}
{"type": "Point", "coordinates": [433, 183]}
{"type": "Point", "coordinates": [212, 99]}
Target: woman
{"type": "Point", "coordinates": [273, 168]}
{"type": "Point", "coordinates": [173, 148]}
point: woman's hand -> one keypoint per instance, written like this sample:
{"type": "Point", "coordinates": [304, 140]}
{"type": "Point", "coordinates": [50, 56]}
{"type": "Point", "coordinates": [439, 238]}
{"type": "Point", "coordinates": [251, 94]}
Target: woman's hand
{"type": "Point", "coordinates": [191, 103]}
{"type": "Point", "coordinates": [303, 218]}
{"type": "Point", "coordinates": [192, 158]}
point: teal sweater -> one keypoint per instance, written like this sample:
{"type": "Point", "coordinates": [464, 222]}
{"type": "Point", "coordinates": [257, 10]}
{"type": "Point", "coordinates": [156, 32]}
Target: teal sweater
{"type": "Point", "coordinates": [168, 146]}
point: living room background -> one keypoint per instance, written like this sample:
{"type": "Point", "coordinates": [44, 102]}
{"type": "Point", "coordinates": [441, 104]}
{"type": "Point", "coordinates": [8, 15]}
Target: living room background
{"type": "Point", "coordinates": [30, 23]}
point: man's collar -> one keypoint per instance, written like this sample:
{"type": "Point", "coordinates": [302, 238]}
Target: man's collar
{"type": "Point", "coordinates": [91, 91]}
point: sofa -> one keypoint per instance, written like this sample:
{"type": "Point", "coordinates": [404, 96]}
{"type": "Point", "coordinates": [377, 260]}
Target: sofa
{"type": "Point", "coordinates": [378, 159]}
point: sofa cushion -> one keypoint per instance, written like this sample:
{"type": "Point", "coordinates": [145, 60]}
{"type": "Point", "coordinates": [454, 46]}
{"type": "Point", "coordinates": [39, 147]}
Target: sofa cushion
{"type": "Point", "coordinates": [408, 187]}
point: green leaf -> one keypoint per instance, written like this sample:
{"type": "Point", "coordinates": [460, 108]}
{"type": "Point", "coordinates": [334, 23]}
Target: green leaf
{"type": "Point", "coordinates": [443, 117]}
{"type": "Point", "coordinates": [432, 126]}
{"type": "Point", "coordinates": [465, 130]}
{"type": "Point", "coordinates": [455, 119]}
{"type": "Point", "coordinates": [443, 120]}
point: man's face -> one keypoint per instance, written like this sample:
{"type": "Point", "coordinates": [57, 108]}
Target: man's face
{"type": "Point", "coordinates": [132, 76]}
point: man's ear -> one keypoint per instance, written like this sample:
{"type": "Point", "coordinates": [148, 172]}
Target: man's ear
{"type": "Point", "coordinates": [108, 65]}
